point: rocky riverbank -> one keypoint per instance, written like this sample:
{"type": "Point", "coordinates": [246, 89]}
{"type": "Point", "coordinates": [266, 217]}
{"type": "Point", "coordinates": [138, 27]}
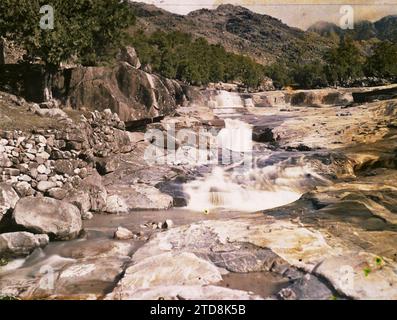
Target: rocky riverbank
{"type": "Point", "coordinates": [72, 198]}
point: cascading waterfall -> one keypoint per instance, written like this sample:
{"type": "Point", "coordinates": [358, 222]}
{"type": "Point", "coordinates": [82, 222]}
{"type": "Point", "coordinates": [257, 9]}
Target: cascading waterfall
{"type": "Point", "coordinates": [245, 189]}
{"type": "Point", "coordinates": [236, 136]}
{"type": "Point", "coordinates": [225, 99]}
{"type": "Point", "coordinates": [218, 190]}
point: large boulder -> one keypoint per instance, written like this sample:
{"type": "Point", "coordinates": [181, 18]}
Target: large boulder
{"type": "Point", "coordinates": [107, 165]}
{"type": "Point", "coordinates": [81, 199]}
{"type": "Point", "coordinates": [15, 244]}
{"type": "Point", "coordinates": [59, 219]}
{"type": "Point", "coordinates": [129, 55]}
{"type": "Point", "coordinates": [126, 198]}
{"type": "Point", "coordinates": [174, 276]}
{"type": "Point", "coordinates": [131, 93]}
{"type": "Point", "coordinates": [93, 185]}
{"type": "Point", "coordinates": [8, 198]}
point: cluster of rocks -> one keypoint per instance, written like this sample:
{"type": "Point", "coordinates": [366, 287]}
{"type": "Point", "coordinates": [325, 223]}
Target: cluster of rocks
{"type": "Point", "coordinates": [49, 180]}
{"type": "Point", "coordinates": [167, 224]}
{"type": "Point", "coordinates": [46, 159]}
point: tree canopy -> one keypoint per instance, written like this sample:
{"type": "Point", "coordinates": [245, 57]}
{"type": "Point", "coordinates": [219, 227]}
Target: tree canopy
{"type": "Point", "coordinates": [180, 56]}
{"type": "Point", "coordinates": [344, 62]}
{"type": "Point", "coordinates": [86, 30]}
{"type": "Point", "coordinates": [342, 65]}
{"type": "Point", "coordinates": [92, 31]}
{"type": "Point", "coordinates": [382, 63]}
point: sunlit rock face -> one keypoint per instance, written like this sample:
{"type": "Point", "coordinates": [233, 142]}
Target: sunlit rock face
{"type": "Point", "coordinates": [315, 209]}
{"type": "Point", "coordinates": [131, 93]}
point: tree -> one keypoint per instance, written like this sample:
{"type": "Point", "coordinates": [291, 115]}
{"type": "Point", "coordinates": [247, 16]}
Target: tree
{"type": "Point", "coordinates": [344, 62]}
{"type": "Point", "coordinates": [89, 31]}
{"type": "Point", "coordinates": [194, 60]}
{"type": "Point", "coordinates": [310, 75]}
{"type": "Point", "coordinates": [280, 74]}
{"type": "Point", "coordinates": [382, 63]}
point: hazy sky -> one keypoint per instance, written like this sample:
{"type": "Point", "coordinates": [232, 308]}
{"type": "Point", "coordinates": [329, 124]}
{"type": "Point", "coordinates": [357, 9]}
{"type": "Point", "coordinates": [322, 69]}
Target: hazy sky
{"type": "Point", "coordinates": [296, 13]}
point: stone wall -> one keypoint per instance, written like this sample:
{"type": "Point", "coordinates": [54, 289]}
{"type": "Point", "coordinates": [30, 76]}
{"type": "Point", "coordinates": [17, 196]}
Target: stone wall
{"type": "Point", "coordinates": [62, 164]}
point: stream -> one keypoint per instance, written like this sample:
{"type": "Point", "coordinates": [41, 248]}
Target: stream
{"type": "Point", "coordinates": [275, 178]}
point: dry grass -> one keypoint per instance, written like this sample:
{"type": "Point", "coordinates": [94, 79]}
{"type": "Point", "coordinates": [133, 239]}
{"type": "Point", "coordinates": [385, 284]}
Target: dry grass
{"type": "Point", "coordinates": [13, 117]}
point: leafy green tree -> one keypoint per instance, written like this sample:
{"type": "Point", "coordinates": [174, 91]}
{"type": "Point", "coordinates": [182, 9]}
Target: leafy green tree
{"type": "Point", "coordinates": [86, 30]}
{"type": "Point", "coordinates": [280, 74]}
{"type": "Point", "coordinates": [310, 75]}
{"type": "Point", "coordinates": [344, 62]}
{"type": "Point", "coordinates": [382, 63]}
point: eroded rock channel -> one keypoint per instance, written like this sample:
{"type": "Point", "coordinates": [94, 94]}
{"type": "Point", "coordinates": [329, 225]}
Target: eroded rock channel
{"type": "Point", "coordinates": [89, 213]}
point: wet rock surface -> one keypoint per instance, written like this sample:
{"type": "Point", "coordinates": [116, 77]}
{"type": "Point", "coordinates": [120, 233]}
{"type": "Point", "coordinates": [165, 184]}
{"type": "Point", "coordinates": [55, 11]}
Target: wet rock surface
{"type": "Point", "coordinates": [336, 241]}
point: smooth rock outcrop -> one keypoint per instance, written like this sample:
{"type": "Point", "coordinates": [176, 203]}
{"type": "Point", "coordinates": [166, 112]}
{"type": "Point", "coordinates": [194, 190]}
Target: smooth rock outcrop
{"type": "Point", "coordinates": [131, 93]}
{"type": "Point", "coordinates": [351, 272]}
{"type": "Point", "coordinates": [88, 273]}
{"type": "Point", "coordinates": [125, 198]}
{"type": "Point", "coordinates": [58, 219]}
{"type": "Point", "coordinates": [8, 198]}
{"type": "Point", "coordinates": [168, 269]}
{"type": "Point", "coordinates": [190, 292]}
{"type": "Point", "coordinates": [123, 234]}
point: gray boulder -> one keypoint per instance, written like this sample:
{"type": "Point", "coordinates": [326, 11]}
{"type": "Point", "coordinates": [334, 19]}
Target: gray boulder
{"type": "Point", "coordinates": [24, 189]}
{"type": "Point", "coordinates": [8, 199]}
{"type": "Point", "coordinates": [107, 165]}
{"type": "Point", "coordinates": [58, 219]}
{"type": "Point", "coordinates": [129, 55]}
{"type": "Point", "coordinates": [81, 199]}
{"type": "Point", "coordinates": [126, 198]}
{"type": "Point", "coordinates": [44, 186]}
{"type": "Point", "coordinates": [123, 234]}
{"type": "Point", "coordinates": [93, 184]}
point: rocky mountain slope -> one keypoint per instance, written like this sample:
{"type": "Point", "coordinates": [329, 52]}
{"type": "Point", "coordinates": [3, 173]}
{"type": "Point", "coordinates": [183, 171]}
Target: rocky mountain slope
{"type": "Point", "coordinates": [238, 29]}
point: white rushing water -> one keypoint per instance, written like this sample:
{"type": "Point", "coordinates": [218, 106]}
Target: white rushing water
{"type": "Point", "coordinates": [247, 190]}
{"type": "Point", "coordinates": [219, 191]}
{"type": "Point", "coordinates": [225, 99]}
{"type": "Point", "coordinates": [152, 87]}
{"type": "Point", "coordinates": [236, 136]}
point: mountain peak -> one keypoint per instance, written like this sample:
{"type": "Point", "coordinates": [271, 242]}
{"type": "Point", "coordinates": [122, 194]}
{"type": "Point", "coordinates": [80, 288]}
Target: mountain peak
{"type": "Point", "coordinates": [230, 7]}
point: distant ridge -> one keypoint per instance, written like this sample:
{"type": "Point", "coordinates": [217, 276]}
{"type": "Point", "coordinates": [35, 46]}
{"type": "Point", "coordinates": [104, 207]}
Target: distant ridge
{"type": "Point", "coordinates": [383, 29]}
{"type": "Point", "coordinates": [238, 29]}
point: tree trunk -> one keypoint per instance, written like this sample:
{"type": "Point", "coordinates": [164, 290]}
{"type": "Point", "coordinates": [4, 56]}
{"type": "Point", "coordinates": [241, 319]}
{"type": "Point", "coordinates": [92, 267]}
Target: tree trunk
{"type": "Point", "coordinates": [48, 82]}
{"type": "Point", "coordinates": [2, 51]}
